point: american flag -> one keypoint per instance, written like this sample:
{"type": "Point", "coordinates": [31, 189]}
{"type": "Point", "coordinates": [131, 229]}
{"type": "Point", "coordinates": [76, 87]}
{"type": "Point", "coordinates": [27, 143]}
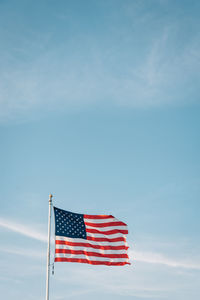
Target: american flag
{"type": "Point", "coordinates": [91, 239]}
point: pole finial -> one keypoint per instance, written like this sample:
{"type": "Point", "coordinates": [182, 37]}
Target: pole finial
{"type": "Point", "coordinates": [50, 197]}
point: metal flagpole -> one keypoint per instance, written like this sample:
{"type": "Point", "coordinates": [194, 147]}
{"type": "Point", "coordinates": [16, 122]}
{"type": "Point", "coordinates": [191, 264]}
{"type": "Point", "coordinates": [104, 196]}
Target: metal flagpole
{"type": "Point", "coordinates": [48, 249]}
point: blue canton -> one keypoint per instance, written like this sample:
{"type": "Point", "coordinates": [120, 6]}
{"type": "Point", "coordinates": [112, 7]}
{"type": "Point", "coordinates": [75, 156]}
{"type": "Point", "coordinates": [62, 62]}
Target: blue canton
{"type": "Point", "coordinates": [69, 224]}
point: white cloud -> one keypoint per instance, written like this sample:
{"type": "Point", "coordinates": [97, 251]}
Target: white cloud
{"type": "Point", "coordinates": [159, 258]}
{"type": "Point", "coordinates": [121, 282]}
{"type": "Point", "coordinates": [22, 229]}
{"type": "Point", "coordinates": [22, 252]}
{"type": "Point", "coordinates": [140, 256]}
{"type": "Point", "coordinates": [56, 82]}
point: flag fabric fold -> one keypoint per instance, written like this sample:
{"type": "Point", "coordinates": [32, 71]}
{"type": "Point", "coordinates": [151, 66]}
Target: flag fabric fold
{"type": "Point", "coordinates": [91, 239]}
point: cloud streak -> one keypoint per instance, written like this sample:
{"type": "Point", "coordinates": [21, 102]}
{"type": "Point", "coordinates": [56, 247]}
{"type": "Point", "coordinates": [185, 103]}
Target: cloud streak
{"type": "Point", "coordinates": [158, 258]}
{"type": "Point", "coordinates": [22, 229]}
{"type": "Point", "coordinates": [140, 256]}
{"type": "Point", "coordinates": [118, 72]}
{"type": "Point", "coordinates": [23, 252]}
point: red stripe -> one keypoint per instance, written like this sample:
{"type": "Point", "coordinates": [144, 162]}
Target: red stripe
{"type": "Point", "coordinates": [98, 216]}
{"type": "Point", "coordinates": [90, 245]}
{"type": "Point", "coordinates": [105, 224]}
{"type": "Point", "coordinates": [86, 261]}
{"type": "Point", "coordinates": [106, 232]}
{"type": "Point", "coordinates": [79, 252]}
{"type": "Point", "coordinates": [96, 239]}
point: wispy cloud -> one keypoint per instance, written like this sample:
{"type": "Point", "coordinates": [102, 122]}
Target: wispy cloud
{"type": "Point", "coordinates": [118, 73]}
{"type": "Point", "coordinates": [159, 258]}
{"type": "Point", "coordinates": [108, 281]}
{"type": "Point", "coordinates": [22, 252]}
{"type": "Point", "coordinates": [75, 293]}
{"type": "Point", "coordinates": [140, 256]}
{"type": "Point", "coordinates": [22, 229]}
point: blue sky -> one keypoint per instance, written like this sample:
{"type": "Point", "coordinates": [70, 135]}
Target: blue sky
{"type": "Point", "coordinates": [99, 105]}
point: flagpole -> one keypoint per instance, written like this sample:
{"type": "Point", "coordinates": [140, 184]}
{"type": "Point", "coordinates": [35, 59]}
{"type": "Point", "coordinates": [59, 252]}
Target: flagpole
{"type": "Point", "coordinates": [48, 248]}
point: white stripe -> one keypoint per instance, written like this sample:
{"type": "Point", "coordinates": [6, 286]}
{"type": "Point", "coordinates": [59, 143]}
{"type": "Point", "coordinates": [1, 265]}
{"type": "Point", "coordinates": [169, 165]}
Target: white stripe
{"type": "Point", "coordinates": [92, 258]}
{"type": "Point", "coordinates": [101, 221]}
{"type": "Point", "coordinates": [89, 249]}
{"type": "Point", "coordinates": [108, 228]}
{"type": "Point", "coordinates": [110, 236]}
{"type": "Point", "coordinates": [62, 238]}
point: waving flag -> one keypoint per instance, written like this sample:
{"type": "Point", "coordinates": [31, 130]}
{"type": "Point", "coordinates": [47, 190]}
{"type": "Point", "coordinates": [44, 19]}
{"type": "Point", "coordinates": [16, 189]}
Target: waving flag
{"type": "Point", "coordinates": [91, 239]}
